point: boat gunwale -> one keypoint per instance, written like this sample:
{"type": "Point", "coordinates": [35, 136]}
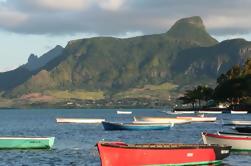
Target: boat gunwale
{"type": "Point", "coordinates": [139, 124]}
{"type": "Point", "coordinates": [227, 137]}
{"type": "Point", "coordinates": [26, 138]}
{"type": "Point", "coordinates": [171, 146]}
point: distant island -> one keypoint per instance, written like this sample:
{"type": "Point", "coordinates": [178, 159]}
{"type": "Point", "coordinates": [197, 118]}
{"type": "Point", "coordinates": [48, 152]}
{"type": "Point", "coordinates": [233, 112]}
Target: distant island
{"type": "Point", "coordinates": [146, 71]}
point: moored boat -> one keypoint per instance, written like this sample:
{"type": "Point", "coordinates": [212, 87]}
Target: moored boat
{"type": "Point", "coordinates": [124, 112]}
{"type": "Point", "coordinates": [238, 112]}
{"type": "Point", "coordinates": [198, 118]}
{"type": "Point", "coordinates": [243, 129]}
{"type": "Point", "coordinates": [120, 153]}
{"type": "Point", "coordinates": [135, 126]}
{"type": "Point", "coordinates": [144, 119]}
{"type": "Point", "coordinates": [78, 120]}
{"type": "Point", "coordinates": [238, 122]}
{"type": "Point", "coordinates": [209, 112]}
{"type": "Point", "coordinates": [239, 142]}
{"type": "Point", "coordinates": [180, 112]}
{"type": "Point", "coordinates": [26, 142]}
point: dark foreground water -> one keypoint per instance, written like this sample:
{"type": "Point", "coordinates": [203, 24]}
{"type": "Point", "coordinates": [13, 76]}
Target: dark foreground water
{"type": "Point", "coordinates": [75, 143]}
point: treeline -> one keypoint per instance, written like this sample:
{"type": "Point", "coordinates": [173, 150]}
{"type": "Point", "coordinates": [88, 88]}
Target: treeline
{"type": "Point", "coordinates": [233, 86]}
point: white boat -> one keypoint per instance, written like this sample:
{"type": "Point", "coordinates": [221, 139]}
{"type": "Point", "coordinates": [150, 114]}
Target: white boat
{"type": "Point", "coordinates": [182, 112]}
{"type": "Point", "coordinates": [142, 119]}
{"type": "Point", "coordinates": [124, 112]}
{"type": "Point", "coordinates": [238, 122]}
{"type": "Point", "coordinates": [210, 112]}
{"type": "Point", "coordinates": [239, 112]}
{"type": "Point", "coordinates": [198, 118]}
{"type": "Point", "coordinates": [78, 120]}
{"type": "Point", "coordinates": [237, 141]}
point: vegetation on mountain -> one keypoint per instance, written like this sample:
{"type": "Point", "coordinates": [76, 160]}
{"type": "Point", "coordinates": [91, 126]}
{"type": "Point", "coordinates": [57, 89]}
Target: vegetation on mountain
{"type": "Point", "coordinates": [153, 66]}
{"type": "Point", "coordinates": [235, 84]}
{"type": "Point", "coordinates": [114, 65]}
{"type": "Point", "coordinates": [13, 78]}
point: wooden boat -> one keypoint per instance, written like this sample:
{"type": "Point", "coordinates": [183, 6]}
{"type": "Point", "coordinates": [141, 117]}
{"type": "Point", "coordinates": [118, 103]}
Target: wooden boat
{"type": "Point", "coordinates": [124, 112]}
{"type": "Point", "coordinates": [238, 142]}
{"type": "Point", "coordinates": [198, 118]}
{"type": "Point", "coordinates": [143, 119]}
{"type": "Point", "coordinates": [243, 129]}
{"type": "Point", "coordinates": [78, 120]}
{"type": "Point", "coordinates": [238, 122]}
{"type": "Point", "coordinates": [135, 126]}
{"type": "Point", "coordinates": [239, 112]}
{"type": "Point", "coordinates": [120, 153]}
{"type": "Point", "coordinates": [26, 142]}
{"type": "Point", "coordinates": [209, 112]}
{"type": "Point", "coordinates": [234, 134]}
{"type": "Point", "coordinates": [180, 112]}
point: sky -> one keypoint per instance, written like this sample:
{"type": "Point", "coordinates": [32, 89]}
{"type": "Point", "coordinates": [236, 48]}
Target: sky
{"type": "Point", "coordinates": [36, 26]}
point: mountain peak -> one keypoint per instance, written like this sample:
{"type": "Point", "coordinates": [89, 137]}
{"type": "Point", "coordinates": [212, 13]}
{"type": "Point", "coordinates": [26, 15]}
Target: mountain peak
{"type": "Point", "coordinates": [195, 21]}
{"type": "Point", "coordinates": [191, 28]}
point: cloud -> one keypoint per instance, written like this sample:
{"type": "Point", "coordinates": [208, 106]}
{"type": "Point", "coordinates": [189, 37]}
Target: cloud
{"type": "Point", "coordinates": [115, 17]}
{"type": "Point", "coordinates": [111, 4]}
{"type": "Point", "coordinates": [59, 5]}
{"type": "Point", "coordinates": [11, 18]}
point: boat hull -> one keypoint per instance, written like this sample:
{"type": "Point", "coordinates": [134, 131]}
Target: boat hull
{"type": "Point", "coordinates": [238, 142]}
{"type": "Point", "coordinates": [142, 119]}
{"type": "Point", "coordinates": [124, 112]}
{"type": "Point", "coordinates": [78, 120]}
{"type": "Point", "coordinates": [238, 122]}
{"type": "Point", "coordinates": [26, 142]}
{"type": "Point", "coordinates": [198, 119]}
{"type": "Point", "coordinates": [133, 126]}
{"type": "Point", "coordinates": [113, 154]}
{"type": "Point", "coordinates": [210, 112]}
{"type": "Point", "coordinates": [239, 112]}
{"type": "Point", "coordinates": [243, 129]}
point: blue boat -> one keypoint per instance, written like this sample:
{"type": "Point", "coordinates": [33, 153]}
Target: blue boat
{"type": "Point", "coordinates": [135, 126]}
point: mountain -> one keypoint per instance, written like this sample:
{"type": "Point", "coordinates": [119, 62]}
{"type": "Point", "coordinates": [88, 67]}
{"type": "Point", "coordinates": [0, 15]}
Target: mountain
{"type": "Point", "coordinates": [151, 65]}
{"type": "Point", "coordinates": [191, 29]}
{"type": "Point", "coordinates": [211, 61]}
{"type": "Point", "coordinates": [13, 78]}
{"type": "Point", "coordinates": [35, 62]}
{"type": "Point", "coordinates": [112, 64]}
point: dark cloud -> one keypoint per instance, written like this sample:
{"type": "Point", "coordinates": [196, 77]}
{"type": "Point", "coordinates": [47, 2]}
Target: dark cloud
{"type": "Point", "coordinates": [113, 17]}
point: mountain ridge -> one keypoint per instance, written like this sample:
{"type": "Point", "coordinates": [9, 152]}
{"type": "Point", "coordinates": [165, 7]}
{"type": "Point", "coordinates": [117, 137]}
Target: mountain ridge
{"type": "Point", "coordinates": [112, 65]}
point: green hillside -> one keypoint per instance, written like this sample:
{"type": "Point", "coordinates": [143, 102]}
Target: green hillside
{"type": "Point", "coordinates": [112, 64]}
{"type": "Point", "coordinates": [102, 67]}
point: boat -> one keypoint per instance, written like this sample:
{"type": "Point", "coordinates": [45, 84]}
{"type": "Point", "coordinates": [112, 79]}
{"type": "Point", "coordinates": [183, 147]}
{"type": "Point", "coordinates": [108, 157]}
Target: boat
{"type": "Point", "coordinates": [144, 119]}
{"type": "Point", "coordinates": [238, 122]}
{"type": "Point", "coordinates": [180, 112]}
{"type": "Point", "coordinates": [234, 133]}
{"type": "Point", "coordinates": [124, 112]}
{"type": "Point", "coordinates": [198, 118]}
{"type": "Point", "coordinates": [209, 112]}
{"type": "Point", "coordinates": [26, 142]}
{"type": "Point", "coordinates": [135, 126]}
{"type": "Point", "coordinates": [78, 120]}
{"type": "Point", "coordinates": [239, 112]}
{"type": "Point", "coordinates": [243, 129]}
{"type": "Point", "coordinates": [239, 142]}
{"type": "Point", "coordinates": [120, 153]}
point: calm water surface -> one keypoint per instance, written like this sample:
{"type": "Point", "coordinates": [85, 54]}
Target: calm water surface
{"type": "Point", "coordinates": [75, 143]}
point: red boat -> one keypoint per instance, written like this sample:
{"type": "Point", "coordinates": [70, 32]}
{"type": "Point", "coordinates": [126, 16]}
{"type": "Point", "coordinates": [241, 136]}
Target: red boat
{"type": "Point", "coordinates": [122, 154]}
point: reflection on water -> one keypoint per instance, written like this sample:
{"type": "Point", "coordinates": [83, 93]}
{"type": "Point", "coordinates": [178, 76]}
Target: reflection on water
{"type": "Point", "coordinates": [75, 143]}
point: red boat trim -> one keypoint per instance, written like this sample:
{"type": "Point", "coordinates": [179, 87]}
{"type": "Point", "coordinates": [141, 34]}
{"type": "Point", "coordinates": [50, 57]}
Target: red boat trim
{"type": "Point", "coordinates": [227, 137]}
{"type": "Point", "coordinates": [158, 146]}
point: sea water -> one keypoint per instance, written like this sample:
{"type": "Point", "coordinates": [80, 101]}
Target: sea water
{"type": "Point", "coordinates": [75, 143]}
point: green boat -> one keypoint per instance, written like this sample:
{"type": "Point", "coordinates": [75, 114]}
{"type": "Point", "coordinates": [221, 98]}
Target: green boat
{"type": "Point", "coordinates": [26, 142]}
